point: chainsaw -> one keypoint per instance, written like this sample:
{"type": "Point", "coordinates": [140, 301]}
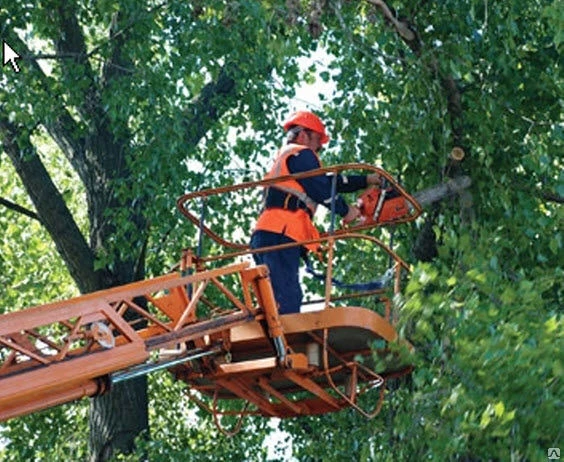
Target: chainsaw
{"type": "Point", "coordinates": [380, 205]}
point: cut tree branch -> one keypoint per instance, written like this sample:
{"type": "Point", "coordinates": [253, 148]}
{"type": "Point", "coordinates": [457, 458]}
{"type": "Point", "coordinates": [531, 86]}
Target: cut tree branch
{"type": "Point", "coordinates": [436, 193]}
{"type": "Point", "coordinates": [448, 83]}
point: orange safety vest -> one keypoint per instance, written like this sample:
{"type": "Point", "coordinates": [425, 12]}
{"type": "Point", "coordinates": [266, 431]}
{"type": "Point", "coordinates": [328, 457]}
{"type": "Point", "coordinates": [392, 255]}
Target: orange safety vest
{"type": "Point", "coordinates": [296, 224]}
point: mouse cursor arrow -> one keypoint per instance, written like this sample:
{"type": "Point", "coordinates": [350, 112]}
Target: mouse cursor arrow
{"type": "Point", "coordinates": [10, 56]}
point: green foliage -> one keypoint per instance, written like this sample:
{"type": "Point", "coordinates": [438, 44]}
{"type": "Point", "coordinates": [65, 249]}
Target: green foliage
{"type": "Point", "coordinates": [31, 271]}
{"type": "Point", "coordinates": [181, 431]}
{"type": "Point", "coordinates": [56, 434]}
{"type": "Point", "coordinates": [488, 370]}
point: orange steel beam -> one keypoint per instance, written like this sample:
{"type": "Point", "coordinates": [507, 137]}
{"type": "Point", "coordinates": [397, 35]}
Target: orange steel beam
{"type": "Point", "coordinates": [312, 387]}
{"type": "Point", "coordinates": [39, 402]}
{"type": "Point", "coordinates": [51, 383]}
{"type": "Point", "coordinates": [187, 314]}
{"type": "Point", "coordinates": [323, 319]}
{"type": "Point", "coordinates": [232, 298]}
{"type": "Point", "coordinates": [243, 391]}
{"type": "Point", "coordinates": [296, 407]}
{"type": "Point", "coordinates": [52, 353]}
{"type": "Point", "coordinates": [68, 309]}
{"type": "Point", "coordinates": [310, 406]}
{"type": "Point", "coordinates": [298, 361]}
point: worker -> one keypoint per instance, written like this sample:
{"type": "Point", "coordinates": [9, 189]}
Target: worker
{"type": "Point", "coordinates": [289, 206]}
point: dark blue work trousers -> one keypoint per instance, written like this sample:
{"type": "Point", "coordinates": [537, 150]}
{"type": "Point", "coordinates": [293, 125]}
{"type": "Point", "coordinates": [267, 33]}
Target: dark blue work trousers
{"type": "Point", "coordinates": [283, 266]}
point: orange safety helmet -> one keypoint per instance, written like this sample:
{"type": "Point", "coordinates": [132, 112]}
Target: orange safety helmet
{"type": "Point", "coordinates": [307, 120]}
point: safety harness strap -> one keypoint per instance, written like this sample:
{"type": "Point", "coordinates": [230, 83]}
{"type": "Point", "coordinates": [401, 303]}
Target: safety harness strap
{"type": "Point", "coordinates": [276, 198]}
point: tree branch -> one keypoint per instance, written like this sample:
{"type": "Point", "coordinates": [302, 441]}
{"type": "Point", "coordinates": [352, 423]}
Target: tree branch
{"type": "Point", "coordinates": [207, 108]}
{"type": "Point", "coordinates": [104, 156]}
{"type": "Point", "coordinates": [105, 159]}
{"type": "Point", "coordinates": [552, 197]}
{"type": "Point", "coordinates": [18, 208]}
{"type": "Point", "coordinates": [59, 123]}
{"type": "Point", "coordinates": [117, 62]}
{"type": "Point", "coordinates": [69, 42]}
{"type": "Point", "coordinates": [51, 208]}
{"type": "Point", "coordinates": [454, 107]}
{"type": "Point", "coordinates": [402, 27]}
{"type": "Point", "coordinates": [448, 83]}
{"type": "Point", "coordinates": [425, 246]}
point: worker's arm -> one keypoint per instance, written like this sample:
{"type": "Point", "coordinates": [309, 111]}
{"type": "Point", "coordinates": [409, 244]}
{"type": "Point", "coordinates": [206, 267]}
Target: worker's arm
{"type": "Point", "coordinates": [319, 187]}
{"type": "Point", "coordinates": [352, 183]}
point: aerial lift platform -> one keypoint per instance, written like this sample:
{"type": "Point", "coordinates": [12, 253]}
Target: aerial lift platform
{"type": "Point", "coordinates": [213, 323]}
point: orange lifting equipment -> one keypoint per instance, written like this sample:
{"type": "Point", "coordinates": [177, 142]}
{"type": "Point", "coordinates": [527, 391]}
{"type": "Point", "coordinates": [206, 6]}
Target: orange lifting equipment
{"type": "Point", "coordinates": [216, 328]}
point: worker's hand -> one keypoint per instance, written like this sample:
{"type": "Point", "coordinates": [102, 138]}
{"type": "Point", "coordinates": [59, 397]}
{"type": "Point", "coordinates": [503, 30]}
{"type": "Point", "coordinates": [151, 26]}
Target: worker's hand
{"type": "Point", "coordinates": [351, 215]}
{"type": "Point", "coordinates": [374, 179]}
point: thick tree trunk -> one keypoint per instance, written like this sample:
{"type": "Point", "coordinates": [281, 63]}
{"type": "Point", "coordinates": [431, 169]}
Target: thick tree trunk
{"type": "Point", "coordinates": [117, 418]}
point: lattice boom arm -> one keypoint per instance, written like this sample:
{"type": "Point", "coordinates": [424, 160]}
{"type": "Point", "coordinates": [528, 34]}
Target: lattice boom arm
{"type": "Point", "coordinates": [55, 353]}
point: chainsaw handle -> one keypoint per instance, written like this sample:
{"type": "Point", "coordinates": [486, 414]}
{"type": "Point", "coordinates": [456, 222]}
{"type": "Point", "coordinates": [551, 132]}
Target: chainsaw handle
{"type": "Point", "coordinates": [353, 214]}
